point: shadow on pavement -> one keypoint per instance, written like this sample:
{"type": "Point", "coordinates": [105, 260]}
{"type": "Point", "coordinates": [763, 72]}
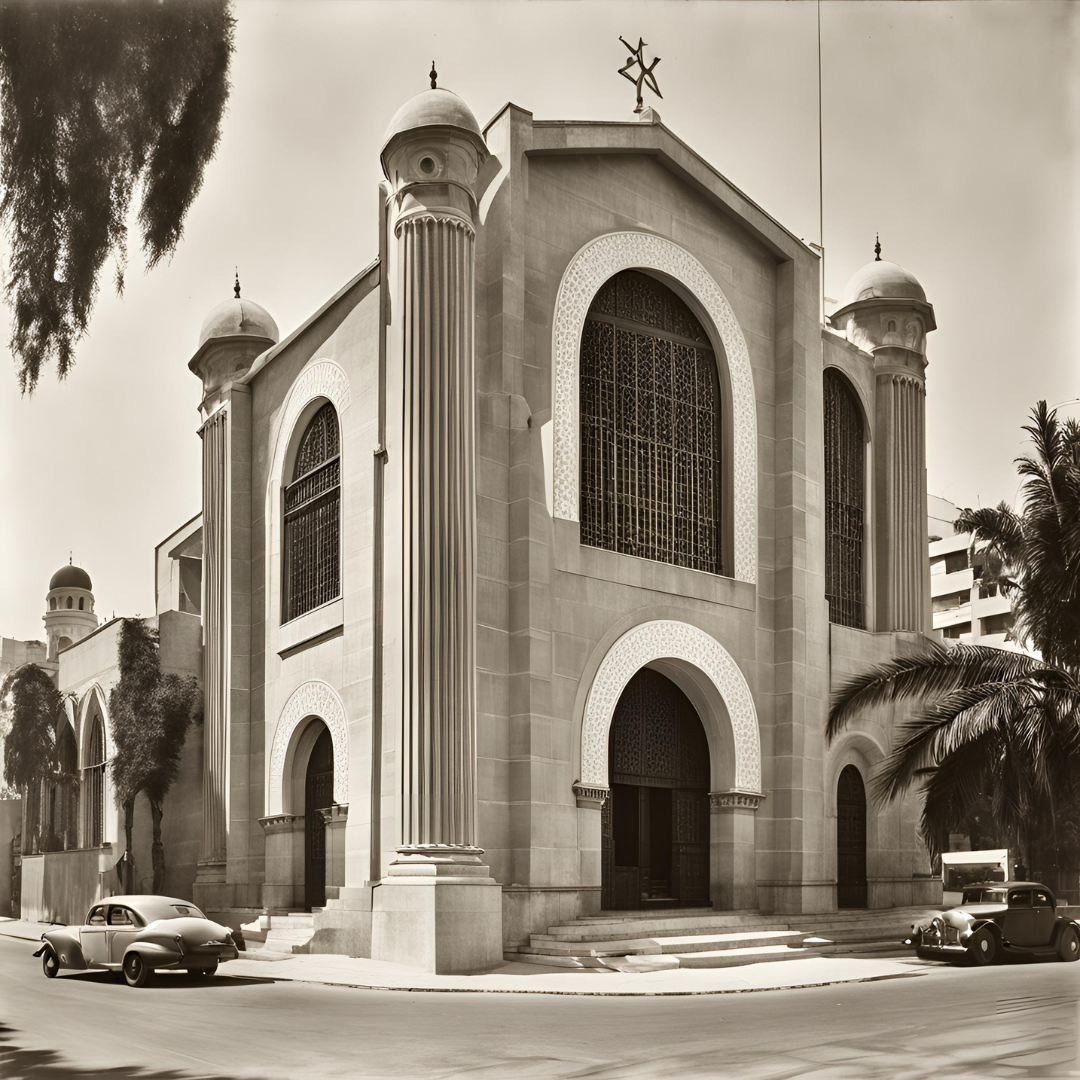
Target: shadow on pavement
{"type": "Point", "coordinates": [17, 1063]}
{"type": "Point", "coordinates": [172, 980]}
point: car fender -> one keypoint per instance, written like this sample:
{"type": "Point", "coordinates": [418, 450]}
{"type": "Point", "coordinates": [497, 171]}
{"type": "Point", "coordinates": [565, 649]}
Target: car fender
{"type": "Point", "coordinates": [990, 925]}
{"type": "Point", "coordinates": [1060, 929]}
{"type": "Point", "coordinates": [66, 947]}
{"type": "Point", "coordinates": [154, 954]}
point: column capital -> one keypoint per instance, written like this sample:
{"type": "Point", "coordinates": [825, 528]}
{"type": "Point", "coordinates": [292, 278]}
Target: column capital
{"type": "Point", "coordinates": [735, 800]}
{"type": "Point", "coordinates": [412, 218]}
{"type": "Point", "coordinates": [334, 815]}
{"type": "Point", "coordinates": [590, 796]}
{"type": "Point", "coordinates": [279, 823]}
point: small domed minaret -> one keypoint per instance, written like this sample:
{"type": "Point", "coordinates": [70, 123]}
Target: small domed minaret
{"type": "Point", "coordinates": [885, 312]}
{"type": "Point", "coordinates": [69, 608]}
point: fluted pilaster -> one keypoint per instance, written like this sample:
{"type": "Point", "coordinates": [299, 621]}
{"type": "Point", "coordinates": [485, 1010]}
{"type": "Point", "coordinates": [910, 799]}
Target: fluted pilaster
{"type": "Point", "coordinates": [906, 502]}
{"type": "Point", "coordinates": [215, 611]}
{"type": "Point", "coordinates": [438, 805]}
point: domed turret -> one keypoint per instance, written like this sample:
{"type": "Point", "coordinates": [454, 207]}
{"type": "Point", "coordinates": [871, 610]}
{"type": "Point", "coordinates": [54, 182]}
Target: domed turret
{"type": "Point", "coordinates": [69, 608]}
{"type": "Point", "coordinates": [70, 577]}
{"type": "Point", "coordinates": [879, 280]}
{"type": "Point", "coordinates": [884, 305]}
{"type": "Point", "coordinates": [434, 142]}
{"type": "Point", "coordinates": [238, 318]}
{"type": "Point", "coordinates": [232, 335]}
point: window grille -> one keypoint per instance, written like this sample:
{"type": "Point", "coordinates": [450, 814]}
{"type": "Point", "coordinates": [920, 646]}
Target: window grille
{"type": "Point", "coordinates": [312, 518]}
{"type": "Point", "coordinates": [95, 788]}
{"type": "Point", "coordinates": [845, 468]}
{"type": "Point", "coordinates": [650, 427]}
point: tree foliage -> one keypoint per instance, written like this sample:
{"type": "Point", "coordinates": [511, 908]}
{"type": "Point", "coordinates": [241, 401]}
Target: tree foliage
{"type": "Point", "coordinates": [36, 708]}
{"type": "Point", "coordinates": [99, 101]}
{"type": "Point", "coordinates": [998, 728]}
{"type": "Point", "coordinates": [150, 712]}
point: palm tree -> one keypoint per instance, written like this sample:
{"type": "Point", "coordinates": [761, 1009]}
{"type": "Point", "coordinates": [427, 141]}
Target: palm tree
{"type": "Point", "coordinates": [994, 726]}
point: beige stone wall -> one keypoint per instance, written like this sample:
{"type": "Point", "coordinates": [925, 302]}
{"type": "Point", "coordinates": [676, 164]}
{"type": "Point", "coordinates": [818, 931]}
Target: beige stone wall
{"type": "Point", "coordinates": [331, 645]}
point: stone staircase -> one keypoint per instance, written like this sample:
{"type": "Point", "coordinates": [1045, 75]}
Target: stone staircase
{"type": "Point", "coordinates": [283, 936]}
{"type": "Point", "coordinates": [700, 937]}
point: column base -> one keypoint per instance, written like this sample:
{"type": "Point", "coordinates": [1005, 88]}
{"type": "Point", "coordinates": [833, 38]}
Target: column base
{"type": "Point", "coordinates": [438, 909]}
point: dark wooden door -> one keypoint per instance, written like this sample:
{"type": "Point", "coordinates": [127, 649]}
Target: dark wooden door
{"type": "Point", "coordinates": [318, 795]}
{"type": "Point", "coordinates": [850, 840]}
{"type": "Point", "coordinates": [655, 824]}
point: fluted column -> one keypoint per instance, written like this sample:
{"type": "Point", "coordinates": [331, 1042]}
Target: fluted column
{"type": "Point", "coordinates": [215, 663]}
{"type": "Point", "coordinates": [904, 509]}
{"type": "Point", "coordinates": [438, 805]}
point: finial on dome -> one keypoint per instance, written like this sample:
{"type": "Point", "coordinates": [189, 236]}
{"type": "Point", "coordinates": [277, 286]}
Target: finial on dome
{"type": "Point", "coordinates": [236, 287]}
{"type": "Point", "coordinates": [71, 558]}
{"type": "Point", "coordinates": [877, 249]}
{"type": "Point", "coordinates": [433, 75]}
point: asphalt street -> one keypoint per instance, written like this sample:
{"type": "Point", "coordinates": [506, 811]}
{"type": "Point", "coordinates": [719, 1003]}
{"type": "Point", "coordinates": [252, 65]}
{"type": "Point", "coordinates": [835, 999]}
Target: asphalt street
{"type": "Point", "coordinates": [1019, 1020]}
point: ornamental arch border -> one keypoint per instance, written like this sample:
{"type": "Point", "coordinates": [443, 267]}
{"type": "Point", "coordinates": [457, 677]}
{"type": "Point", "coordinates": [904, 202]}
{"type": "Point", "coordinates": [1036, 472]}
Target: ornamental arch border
{"type": "Point", "coordinates": [668, 639]}
{"type": "Point", "coordinates": [587, 271]}
{"type": "Point", "coordinates": [321, 380]}
{"type": "Point", "coordinates": [312, 699]}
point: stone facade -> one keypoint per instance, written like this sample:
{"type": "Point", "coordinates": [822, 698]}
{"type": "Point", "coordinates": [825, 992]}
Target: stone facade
{"type": "Point", "coordinates": [470, 663]}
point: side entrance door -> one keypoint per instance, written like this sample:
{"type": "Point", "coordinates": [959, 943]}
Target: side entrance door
{"type": "Point", "coordinates": [94, 938]}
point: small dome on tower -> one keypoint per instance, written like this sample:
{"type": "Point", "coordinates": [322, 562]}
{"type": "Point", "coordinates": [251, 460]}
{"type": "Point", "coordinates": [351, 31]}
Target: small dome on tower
{"type": "Point", "coordinates": [70, 577]}
{"type": "Point", "coordinates": [238, 318]}
{"type": "Point", "coordinates": [881, 280]}
{"type": "Point", "coordinates": [434, 108]}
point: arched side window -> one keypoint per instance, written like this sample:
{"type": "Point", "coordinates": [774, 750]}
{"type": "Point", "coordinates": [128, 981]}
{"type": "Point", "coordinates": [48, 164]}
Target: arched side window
{"type": "Point", "coordinates": [94, 786]}
{"type": "Point", "coordinates": [312, 548]}
{"type": "Point", "coordinates": [63, 794]}
{"type": "Point", "coordinates": [650, 427]}
{"type": "Point", "coordinates": [69, 601]}
{"type": "Point", "coordinates": [52, 604]}
{"type": "Point", "coordinates": [845, 483]}
{"type": "Point", "coordinates": [81, 599]}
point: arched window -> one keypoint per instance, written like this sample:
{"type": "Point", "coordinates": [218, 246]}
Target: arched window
{"type": "Point", "coordinates": [52, 604]}
{"type": "Point", "coordinates": [845, 481]}
{"type": "Point", "coordinates": [63, 798]}
{"type": "Point", "coordinates": [81, 599]}
{"type": "Point", "coordinates": [650, 427]}
{"type": "Point", "coordinates": [312, 518]}
{"type": "Point", "coordinates": [94, 786]}
{"type": "Point", "coordinates": [69, 601]}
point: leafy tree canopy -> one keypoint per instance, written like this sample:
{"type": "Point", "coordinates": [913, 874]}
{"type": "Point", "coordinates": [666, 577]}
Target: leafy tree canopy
{"type": "Point", "coordinates": [99, 99]}
{"type": "Point", "coordinates": [36, 707]}
{"type": "Point", "coordinates": [150, 714]}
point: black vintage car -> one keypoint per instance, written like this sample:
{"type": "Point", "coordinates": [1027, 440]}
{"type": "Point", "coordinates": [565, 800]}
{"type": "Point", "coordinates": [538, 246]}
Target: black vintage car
{"type": "Point", "coordinates": [996, 919]}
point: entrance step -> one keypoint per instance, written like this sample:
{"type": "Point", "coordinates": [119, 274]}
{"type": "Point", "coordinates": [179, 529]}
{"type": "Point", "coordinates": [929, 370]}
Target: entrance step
{"type": "Point", "coordinates": [280, 934]}
{"type": "Point", "coordinates": [644, 940]}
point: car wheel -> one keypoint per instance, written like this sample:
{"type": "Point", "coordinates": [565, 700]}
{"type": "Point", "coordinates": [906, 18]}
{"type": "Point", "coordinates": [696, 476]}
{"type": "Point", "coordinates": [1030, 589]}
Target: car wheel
{"type": "Point", "coordinates": [135, 970]}
{"type": "Point", "coordinates": [49, 964]}
{"type": "Point", "coordinates": [983, 948]}
{"type": "Point", "coordinates": [1069, 944]}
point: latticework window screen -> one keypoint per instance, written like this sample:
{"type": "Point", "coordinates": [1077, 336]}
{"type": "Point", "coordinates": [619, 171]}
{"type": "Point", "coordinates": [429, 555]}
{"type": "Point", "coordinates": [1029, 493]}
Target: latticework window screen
{"type": "Point", "coordinates": [313, 519]}
{"type": "Point", "coordinates": [845, 468]}
{"type": "Point", "coordinates": [650, 427]}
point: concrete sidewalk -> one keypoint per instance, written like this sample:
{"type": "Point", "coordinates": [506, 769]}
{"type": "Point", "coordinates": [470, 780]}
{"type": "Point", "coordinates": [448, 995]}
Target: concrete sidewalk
{"type": "Point", "coordinates": [516, 978]}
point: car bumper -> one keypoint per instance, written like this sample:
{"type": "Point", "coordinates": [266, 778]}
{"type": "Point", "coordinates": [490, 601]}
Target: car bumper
{"type": "Point", "coordinates": [940, 952]}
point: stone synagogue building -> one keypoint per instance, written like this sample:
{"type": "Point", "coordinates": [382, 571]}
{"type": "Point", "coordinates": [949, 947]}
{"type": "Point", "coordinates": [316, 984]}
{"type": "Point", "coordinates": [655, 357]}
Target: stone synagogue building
{"type": "Point", "coordinates": [530, 560]}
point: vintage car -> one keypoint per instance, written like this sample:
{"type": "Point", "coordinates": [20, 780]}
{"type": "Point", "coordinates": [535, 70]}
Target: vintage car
{"type": "Point", "coordinates": [997, 919]}
{"type": "Point", "coordinates": [137, 935]}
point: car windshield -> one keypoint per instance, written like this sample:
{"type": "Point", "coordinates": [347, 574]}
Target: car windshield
{"type": "Point", "coordinates": [984, 896]}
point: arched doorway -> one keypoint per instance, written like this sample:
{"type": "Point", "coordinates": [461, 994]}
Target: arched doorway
{"type": "Point", "coordinates": [318, 795]}
{"type": "Point", "coordinates": [655, 825]}
{"type": "Point", "coordinates": [850, 839]}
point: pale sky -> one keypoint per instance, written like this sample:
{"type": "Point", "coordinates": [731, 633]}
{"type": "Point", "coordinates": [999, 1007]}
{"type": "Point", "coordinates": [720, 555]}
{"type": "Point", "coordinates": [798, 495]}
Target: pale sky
{"type": "Point", "coordinates": [951, 128]}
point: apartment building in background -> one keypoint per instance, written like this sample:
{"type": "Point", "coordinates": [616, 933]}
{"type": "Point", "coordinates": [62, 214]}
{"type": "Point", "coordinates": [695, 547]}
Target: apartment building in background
{"type": "Point", "coordinates": [964, 609]}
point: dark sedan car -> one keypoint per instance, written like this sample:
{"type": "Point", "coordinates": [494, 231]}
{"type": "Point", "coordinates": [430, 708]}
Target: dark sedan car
{"type": "Point", "coordinates": [137, 935]}
{"type": "Point", "coordinates": [997, 919]}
